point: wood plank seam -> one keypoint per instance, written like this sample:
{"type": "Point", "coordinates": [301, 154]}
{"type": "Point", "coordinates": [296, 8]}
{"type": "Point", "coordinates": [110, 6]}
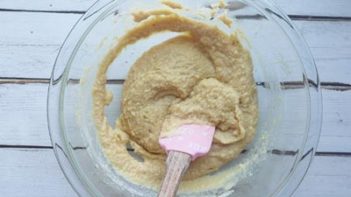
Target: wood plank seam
{"type": "Point", "coordinates": [24, 146]}
{"type": "Point", "coordinates": [44, 11]}
{"type": "Point", "coordinates": [275, 152]}
{"type": "Point", "coordinates": [337, 86]}
{"type": "Point", "coordinates": [319, 18]}
{"type": "Point", "coordinates": [291, 16]}
{"type": "Point", "coordinates": [317, 184]}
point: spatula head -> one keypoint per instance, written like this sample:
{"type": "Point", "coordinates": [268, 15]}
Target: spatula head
{"type": "Point", "coordinates": [193, 139]}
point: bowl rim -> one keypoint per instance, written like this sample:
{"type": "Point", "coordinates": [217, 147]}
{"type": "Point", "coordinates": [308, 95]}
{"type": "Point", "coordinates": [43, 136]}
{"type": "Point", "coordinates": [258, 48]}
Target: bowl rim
{"type": "Point", "coordinates": [99, 8]}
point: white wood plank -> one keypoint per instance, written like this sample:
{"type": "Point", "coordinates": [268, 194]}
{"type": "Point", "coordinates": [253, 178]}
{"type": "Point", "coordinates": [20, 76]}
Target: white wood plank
{"type": "Point", "coordinates": [29, 43]}
{"type": "Point", "coordinates": [296, 7]}
{"type": "Point", "coordinates": [47, 5]}
{"type": "Point", "coordinates": [316, 7]}
{"type": "Point", "coordinates": [327, 176]}
{"type": "Point", "coordinates": [35, 29]}
{"type": "Point", "coordinates": [23, 117]}
{"type": "Point", "coordinates": [335, 143]}
{"type": "Point", "coordinates": [336, 133]}
{"type": "Point", "coordinates": [330, 44]}
{"type": "Point", "coordinates": [32, 172]}
{"type": "Point", "coordinates": [35, 172]}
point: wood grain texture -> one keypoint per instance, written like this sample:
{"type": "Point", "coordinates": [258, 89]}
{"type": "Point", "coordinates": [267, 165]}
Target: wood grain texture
{"type": "Point", "coordinates": [29, 42]}
{"type": "Point", "coordinates": [27, 50]}
{"type": "Point", "coordinates": [23, 117]}
{"type": "Point", "coordinates": [47, 5]}
{"type": "Point", "coordinates": [30, 37]}
{"type": "Point", "coordinates": [327, 176]}
{"type": "Point", "coordinates": [35, 172]}
{"type": "Point", "coordinates": [336, 131]}
{"type": "Point", "coordinates": [330, 44]}
{"type": "Point", "coordinates": [31, 172]}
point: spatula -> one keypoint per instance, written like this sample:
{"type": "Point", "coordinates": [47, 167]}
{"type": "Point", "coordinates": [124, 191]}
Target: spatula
{"type": "Point", "coordinates": [183, 145]}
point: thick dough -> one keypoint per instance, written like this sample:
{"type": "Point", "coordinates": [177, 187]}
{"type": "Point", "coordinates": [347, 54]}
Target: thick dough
{"type": "Point", "coordinates": [201, 76]}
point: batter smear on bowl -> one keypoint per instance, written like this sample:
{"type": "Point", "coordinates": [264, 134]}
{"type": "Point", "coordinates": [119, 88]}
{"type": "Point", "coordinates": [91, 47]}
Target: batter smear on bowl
{"type": "Point", "coordinates": [203, 76]}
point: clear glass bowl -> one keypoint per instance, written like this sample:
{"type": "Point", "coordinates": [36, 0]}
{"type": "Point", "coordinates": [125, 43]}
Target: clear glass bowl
{"type": "Point", "coordinates": [287, 84]}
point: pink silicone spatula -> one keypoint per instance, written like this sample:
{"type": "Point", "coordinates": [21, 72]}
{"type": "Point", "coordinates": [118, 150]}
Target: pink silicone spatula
{"type": "Point", "coordinates": [183, 145]}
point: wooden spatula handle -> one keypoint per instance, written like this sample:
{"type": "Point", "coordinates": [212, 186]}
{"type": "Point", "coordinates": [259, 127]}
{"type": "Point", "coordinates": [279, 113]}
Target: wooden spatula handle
{"type": "Point", "coordinates": [177, 164]}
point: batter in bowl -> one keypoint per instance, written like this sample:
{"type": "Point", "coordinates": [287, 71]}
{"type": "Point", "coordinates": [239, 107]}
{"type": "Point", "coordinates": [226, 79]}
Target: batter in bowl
{"type": "Point", "coordinates": [203, 76]}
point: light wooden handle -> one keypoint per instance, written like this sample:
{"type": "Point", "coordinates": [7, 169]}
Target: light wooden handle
{"type": "Point", "coordinates": [177, 164]}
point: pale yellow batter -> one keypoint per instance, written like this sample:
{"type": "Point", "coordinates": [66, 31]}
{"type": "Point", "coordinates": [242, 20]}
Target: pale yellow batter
{"type": "Point", "coordinates": [202, 76]}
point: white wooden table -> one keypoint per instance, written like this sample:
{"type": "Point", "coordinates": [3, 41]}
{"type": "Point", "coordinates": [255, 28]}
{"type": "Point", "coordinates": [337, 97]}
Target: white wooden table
{"type": "Point", "coordinates": [31, 33]}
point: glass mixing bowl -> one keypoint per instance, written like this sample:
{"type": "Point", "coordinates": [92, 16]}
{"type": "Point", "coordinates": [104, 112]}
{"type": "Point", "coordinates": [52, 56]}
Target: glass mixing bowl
{"type": "Point", "coordinates": [287, 84]}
